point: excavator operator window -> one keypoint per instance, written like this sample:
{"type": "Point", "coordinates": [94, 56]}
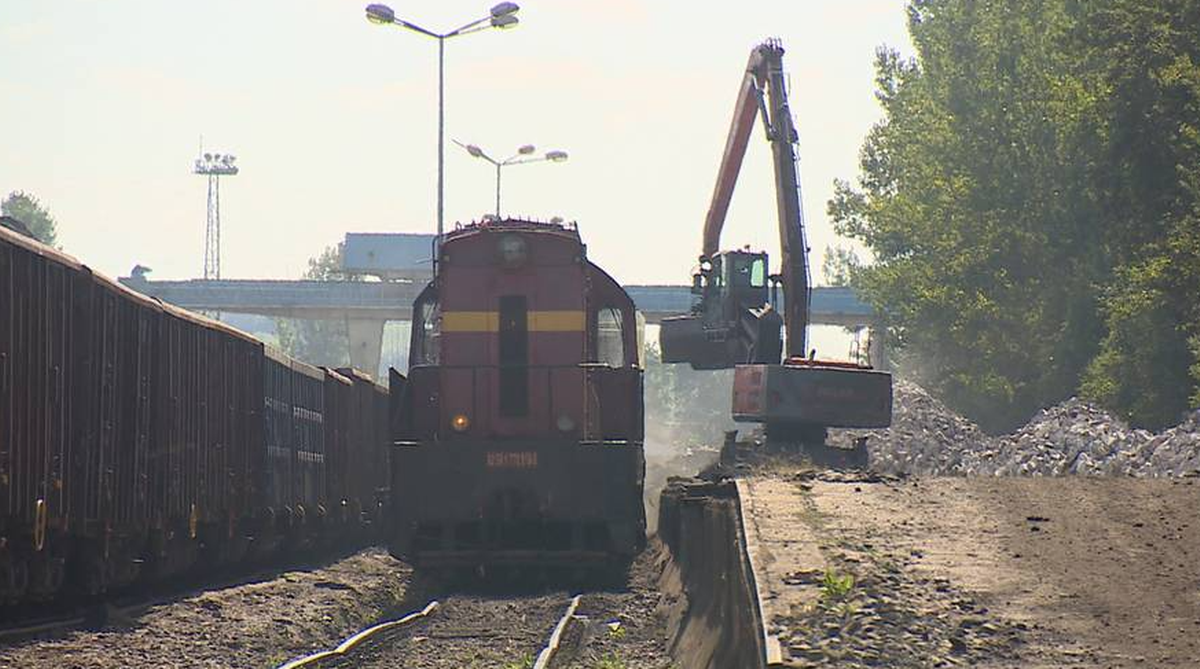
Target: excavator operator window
{"type": "Point", "coordinates": [758, 272]}
{"type": "Point", "coordinates": [740, 270]}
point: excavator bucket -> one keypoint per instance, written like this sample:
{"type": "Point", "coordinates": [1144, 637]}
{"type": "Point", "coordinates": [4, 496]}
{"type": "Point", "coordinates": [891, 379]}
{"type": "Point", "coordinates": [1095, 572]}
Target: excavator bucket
{"type": "Point", "coordinates": [817, 393]}
{"type": "Point", "coordinates": [753, 338]}
{"type": "Point", "coordinates": [685, 339]}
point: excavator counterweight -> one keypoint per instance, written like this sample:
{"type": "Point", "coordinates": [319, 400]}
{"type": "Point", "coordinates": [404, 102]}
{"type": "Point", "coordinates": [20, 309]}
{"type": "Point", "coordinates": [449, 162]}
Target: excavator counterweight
{"type": "Point", "coordinates": [734, 321]}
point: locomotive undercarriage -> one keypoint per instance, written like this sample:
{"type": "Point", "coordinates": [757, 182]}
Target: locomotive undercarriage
{"type": "Point", "coordinates": [568, 504]}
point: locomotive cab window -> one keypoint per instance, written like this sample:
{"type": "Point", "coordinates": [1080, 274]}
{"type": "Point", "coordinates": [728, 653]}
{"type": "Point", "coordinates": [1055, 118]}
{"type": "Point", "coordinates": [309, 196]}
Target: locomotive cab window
{"type": "Point", "coordinates": [610, 341]}
{"type": "Point", "coordinates": [427, 330]}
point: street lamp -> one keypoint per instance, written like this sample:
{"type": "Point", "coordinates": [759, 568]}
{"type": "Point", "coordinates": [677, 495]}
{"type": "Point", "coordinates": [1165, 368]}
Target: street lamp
{"type": "Point", "coordinates": [521, 157]}
{"type": "Point", "coordinates": [214, 166]}
{"type": "Point", "coordinates": [502, 16]}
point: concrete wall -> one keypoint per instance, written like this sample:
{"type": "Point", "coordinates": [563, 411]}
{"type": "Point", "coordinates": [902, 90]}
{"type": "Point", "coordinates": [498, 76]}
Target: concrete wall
{"type": "Point", "coordinates": [716, 624]}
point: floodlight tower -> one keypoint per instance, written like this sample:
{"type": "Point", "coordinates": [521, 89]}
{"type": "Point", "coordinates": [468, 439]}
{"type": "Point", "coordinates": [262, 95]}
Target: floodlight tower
{"type": "Point", "coordinates": [214, 166]}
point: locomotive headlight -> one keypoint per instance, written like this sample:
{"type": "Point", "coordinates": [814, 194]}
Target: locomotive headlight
{"type": "Point", "coordinates": [460, 422]}
{"type": "Point", "coordinates": [565, 423]}
{"type": "Point", "coordinates": [512, 250]}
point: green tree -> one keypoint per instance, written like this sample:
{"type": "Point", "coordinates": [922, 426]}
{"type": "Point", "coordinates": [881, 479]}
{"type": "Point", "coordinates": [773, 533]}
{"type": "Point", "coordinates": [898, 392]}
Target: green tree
{"type": "Point", "coordinates": [1148, 367]}
{"type": "Point", "coordinates": [319, 342]}
{"type": "Point", "coordinates": [27, 209]}
{"type": "Point", "coordinates": [839, 266]}
{"type": "Point", "coordinates": [960, 200]}
{"type": "Point", "coordinates": [1029, 199]}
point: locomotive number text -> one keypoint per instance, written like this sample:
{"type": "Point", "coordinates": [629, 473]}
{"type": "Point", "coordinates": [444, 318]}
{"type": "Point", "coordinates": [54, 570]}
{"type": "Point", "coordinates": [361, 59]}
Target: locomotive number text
{"type": "Point", "coordinates": [512, 460]}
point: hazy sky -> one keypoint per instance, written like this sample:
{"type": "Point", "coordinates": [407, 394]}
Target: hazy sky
{"type": "Point", "coordinates": [333, 120]}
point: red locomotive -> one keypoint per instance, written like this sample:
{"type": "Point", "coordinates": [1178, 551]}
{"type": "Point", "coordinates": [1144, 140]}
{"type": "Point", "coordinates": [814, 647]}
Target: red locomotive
{"type": "Point", "coordinates": [518, 432]}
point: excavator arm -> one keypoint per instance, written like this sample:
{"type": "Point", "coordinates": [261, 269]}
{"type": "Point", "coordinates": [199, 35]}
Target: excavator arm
{"type": "Point", "coordinates": [734, 324]}
{"type": "Point", "coordinates": [749, 102]}
{"type": "Point", "coordinates": [763, 91]}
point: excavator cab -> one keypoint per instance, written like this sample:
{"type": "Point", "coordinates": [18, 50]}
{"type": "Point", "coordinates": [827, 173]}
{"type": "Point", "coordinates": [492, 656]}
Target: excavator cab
{"type": "Point", "coordinates": [732, 321]}
{"type": "Point", "coordinates": [739, 277]}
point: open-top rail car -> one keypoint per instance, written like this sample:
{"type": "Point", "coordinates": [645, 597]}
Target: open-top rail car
{"type": "Point", "coordinates": [138, 439]}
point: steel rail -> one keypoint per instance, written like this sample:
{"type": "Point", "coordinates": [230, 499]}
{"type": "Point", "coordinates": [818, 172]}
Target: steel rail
{"type": "Point", "coordinates": [350, 643]}
{"type": "Point", "coordinates": [547, 654]}
{"type": "Point", "coordinates": [10, 634]}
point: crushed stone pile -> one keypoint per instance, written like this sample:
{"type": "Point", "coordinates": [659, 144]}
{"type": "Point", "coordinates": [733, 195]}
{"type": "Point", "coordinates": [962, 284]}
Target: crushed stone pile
{"type": "Point", "coordinates": [1072, 437]}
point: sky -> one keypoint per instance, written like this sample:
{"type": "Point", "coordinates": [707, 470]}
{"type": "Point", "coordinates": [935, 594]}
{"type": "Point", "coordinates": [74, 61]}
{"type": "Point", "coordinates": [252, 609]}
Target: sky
{"type": "Point", "coordinates": [334, 121]}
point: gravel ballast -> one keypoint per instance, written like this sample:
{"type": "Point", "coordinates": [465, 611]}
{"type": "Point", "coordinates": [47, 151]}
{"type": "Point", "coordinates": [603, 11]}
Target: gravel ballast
{"type": "Point", "coordinates": [1073, 437]}
{"type": "Point", "coordinates": [255, 624]}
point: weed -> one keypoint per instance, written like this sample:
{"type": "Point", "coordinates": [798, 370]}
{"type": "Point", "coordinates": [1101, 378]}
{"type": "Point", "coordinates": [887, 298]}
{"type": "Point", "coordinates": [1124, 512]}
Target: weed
{"type": "Point", "coordinates": [611, 661]}
{"type": "Point", "coordinates": [525, 662]}
{"type": "Point", "coordinates": [836, 587]}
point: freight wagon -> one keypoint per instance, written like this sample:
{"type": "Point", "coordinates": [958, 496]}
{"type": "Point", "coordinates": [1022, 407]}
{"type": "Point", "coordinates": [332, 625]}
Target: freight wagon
{"type": "Point", "coordinates": [138, 440]}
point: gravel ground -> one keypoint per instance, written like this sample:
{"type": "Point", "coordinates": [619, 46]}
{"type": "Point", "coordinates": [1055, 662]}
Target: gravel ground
{"type": "Point", "coordinates": [261, 623]}
{"type": "Point", "coordinates": [1073, 437]}
{"type": "Point", "coordinates": [1026, 572]}
{"type": "Point", "coordinates": [997, 572]}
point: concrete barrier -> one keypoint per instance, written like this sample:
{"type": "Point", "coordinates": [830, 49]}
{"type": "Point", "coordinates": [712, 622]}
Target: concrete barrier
{"type": "Point", "coordinates": [716, 623]}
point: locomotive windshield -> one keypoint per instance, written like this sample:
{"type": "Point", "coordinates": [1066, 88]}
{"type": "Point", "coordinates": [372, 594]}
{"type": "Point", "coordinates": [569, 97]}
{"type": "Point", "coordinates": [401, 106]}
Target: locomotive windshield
{"type": "Point", "coordinates": [426, 330]}
{"type": "Point", "coordinates": [610, 342]}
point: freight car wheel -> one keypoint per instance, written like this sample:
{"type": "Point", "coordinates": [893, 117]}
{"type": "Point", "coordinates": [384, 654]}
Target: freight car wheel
{"type": "Point", "coordinates": [46, 575]}
{"type": "Point", "coordinates": [91, 571]}
{"type": "Point", "coordinates": [14, 577]}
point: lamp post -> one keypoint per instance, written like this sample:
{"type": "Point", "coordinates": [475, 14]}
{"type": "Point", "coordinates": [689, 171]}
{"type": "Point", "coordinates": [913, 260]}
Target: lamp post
{"type": "Point", "coordinates": [214, 166]}
{"type": "Point", "coordinates": [503, 15]}
{"type": "Point", "coordinates": [521, 157]}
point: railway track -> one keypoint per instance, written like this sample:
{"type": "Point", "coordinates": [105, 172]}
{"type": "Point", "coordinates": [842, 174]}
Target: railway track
{"type": "Point", "coordinates": [459, 631]}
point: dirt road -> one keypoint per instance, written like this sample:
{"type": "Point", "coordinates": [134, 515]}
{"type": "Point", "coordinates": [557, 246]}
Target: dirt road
{"type": "Point", "coordinates": [995, 572]}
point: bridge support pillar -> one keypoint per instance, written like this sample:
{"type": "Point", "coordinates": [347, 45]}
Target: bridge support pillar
{"type": "Point", "coordinates": [366, 343]}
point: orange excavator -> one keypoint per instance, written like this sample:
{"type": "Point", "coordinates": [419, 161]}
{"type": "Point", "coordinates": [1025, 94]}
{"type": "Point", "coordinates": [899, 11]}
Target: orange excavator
{"type": "Point", "coordinates": [735, 322]}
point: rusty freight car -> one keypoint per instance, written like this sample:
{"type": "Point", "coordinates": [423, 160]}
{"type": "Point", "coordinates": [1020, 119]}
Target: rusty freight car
{"type": "Point", "coordinates": [518, 431]}
{"type": "Point", "coordinates": [138, 440]}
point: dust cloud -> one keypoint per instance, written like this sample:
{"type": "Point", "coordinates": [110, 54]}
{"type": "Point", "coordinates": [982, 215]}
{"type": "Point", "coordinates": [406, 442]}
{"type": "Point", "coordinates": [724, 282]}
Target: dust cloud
{"type": "Point", "coordinates": [687, 415]}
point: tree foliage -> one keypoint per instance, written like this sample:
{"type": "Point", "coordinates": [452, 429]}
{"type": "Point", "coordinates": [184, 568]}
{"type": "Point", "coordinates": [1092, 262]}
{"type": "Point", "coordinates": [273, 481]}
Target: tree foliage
{"type": "Point", "coordinates": [319, 342]}
{"type": "Point", "coordinates": [839, 266]}
{"type": "Point", "coordinates": [28, 210]}
{"type": "Point", "coordinates": [1031, 202]}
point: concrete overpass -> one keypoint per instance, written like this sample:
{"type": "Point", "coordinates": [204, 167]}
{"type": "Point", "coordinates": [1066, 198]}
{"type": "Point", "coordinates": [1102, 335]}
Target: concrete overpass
{"type": "Point", "coordinates": [366, 305]}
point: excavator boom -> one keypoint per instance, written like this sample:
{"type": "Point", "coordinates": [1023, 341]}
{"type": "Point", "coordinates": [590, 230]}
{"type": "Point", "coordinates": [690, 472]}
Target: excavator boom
{"type": "Point", "coordinates": [764, 89]}
{"type": "Point", "coordinates": [733, 324]}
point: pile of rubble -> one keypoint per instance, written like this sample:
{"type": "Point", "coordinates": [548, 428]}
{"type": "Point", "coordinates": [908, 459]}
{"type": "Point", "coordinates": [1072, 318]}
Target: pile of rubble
{"type": "Point", "coordinates": [1073, 437]}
